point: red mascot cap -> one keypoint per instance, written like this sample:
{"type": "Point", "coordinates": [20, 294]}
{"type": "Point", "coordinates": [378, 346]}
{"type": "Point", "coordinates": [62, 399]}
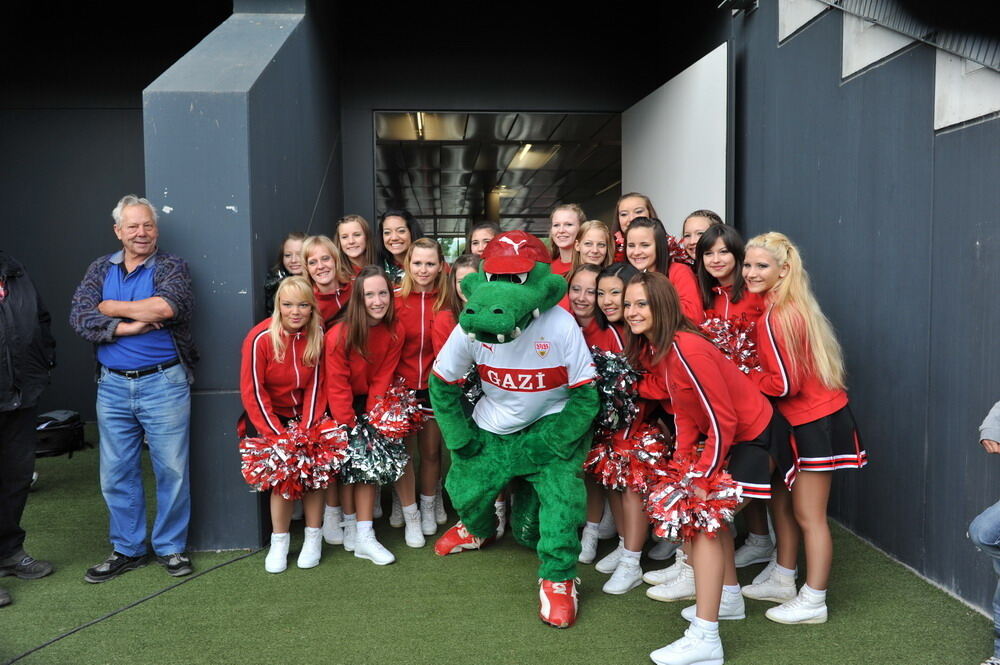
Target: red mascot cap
{"type": "Point", "coordinates": [513, 252]}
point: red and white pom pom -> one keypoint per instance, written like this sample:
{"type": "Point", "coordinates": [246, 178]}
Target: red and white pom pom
{"type": "Point", "coordinates": [676, 511]}
{"type": "Point", "coordinates": [734, 337]}
{"type": "Point", "coordinates": [398, 414]}
{"type": "Point", "coordinates": [678, 253]}
{"type": "Point", "coordinates": [606, 464]}
{"type": "Point", "coordinates": [634, 462]}
{"type": "Point", "coordinates": [295, 462]}
{"type": "Point", "coordinates": [648, 454]}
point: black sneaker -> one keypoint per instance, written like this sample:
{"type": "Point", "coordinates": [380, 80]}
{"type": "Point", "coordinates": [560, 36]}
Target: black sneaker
{"type": "Point", "coordinates": [4, 597]}
{"type": "Point", "coordinates": [113, 566]}
{"type": "Point", "coordinates": [24, 566]}
{"type": "Point", "coordinates": [177, 564]}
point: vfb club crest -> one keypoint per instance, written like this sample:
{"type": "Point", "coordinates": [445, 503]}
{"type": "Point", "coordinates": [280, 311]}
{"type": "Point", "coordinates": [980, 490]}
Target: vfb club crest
{"type": "Point", "coordinates": [542, 348]}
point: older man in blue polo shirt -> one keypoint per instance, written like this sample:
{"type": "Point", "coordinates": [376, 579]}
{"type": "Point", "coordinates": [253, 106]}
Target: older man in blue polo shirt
{"type": "Point", "coordinates": [135, 306]}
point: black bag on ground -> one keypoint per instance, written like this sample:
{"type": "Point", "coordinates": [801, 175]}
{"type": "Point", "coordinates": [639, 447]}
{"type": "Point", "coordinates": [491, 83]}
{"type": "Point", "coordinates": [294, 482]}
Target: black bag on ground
{"type": "Point", "coordinates": [59, 432]}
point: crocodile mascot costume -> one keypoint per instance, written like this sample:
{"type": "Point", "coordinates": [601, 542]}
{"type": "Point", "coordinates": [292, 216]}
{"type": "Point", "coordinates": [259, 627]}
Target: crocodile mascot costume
{"type": "Point", "coordinates": [531, 427]}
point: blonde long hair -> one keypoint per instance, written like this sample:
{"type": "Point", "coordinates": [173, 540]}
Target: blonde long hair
{"type": "Point", "coordinates": [406, 285]}
{"type": "Point", "coordinates": [297, 286]}
{"type": "Point", "coordinates": [343, 273]}
{"type": "Point", "coordinates": [609, 249]}
{"type": "Point", "coordinates": [799, 316]}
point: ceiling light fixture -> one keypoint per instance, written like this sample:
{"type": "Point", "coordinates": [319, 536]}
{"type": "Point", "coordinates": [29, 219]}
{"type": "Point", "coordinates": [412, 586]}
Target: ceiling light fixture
{"type": "Point", "coordinates": [525, 149]}
{"type": "Point", "coordinates": [420, 124]}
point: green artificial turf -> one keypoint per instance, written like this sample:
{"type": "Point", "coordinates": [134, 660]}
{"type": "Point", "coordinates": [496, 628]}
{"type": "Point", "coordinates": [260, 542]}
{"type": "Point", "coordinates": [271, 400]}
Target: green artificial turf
{"type": "Point", "coordinates": [478, 607]}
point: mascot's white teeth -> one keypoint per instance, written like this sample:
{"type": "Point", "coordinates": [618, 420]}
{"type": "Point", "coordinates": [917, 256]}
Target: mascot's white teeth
{"type": "Point", "coordinates": [517, 332]}
{"type": "Point", "coordinates": [501, 339]}
{"type": "Point", "coordinates": [535, 313]}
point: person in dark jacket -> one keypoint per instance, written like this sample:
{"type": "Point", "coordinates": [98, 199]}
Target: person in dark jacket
{"type": "Point", "coordinates": [27, 353]}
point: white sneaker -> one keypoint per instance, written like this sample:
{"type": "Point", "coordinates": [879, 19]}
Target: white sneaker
{"type": "Point", "coordinates": [377, 508]}
{"type": "Point", "coordinates": [312, 548]}
{"type": "Point", "coordinates": [412, 534]}
{"type": "Point", "coordinates": [440, 514]}
{"type": "Point", "coordinates": [500, 510]}
{"type": "Point", "coordinates": [663, 550]}
{"type": "Point", "coordinates": [664, 575]}
{"type": "Point", "coordinates": [333, 527]}
{"type": "Point", "coordinates": [588, 546]}
{"type": "Point", "coordinates": [368, 547]}
{"type": "Point", "coordinates": [805, 607]}
{"type": "Point", "coordinates": [607, 528]}
{"type": "Point", "coordinates": [608, 564]}
{"type": "Point", "coordinates": [350, 535]}
{"type": "Point", "coordinates": [697, 647]}
{"type": "Point", "coordinates": [428, 519]}
{"type": "Point", "coordinates": [764, 574]}
{"type": "Point", "coordinates": [750, 553]}
{"type": "Point", "coordinates": [777, 588]}
{"type": "Point", "coordinates": [731, 607]}
{"type": "Point", "coordinates": [679, 588]}
{"type": "Point", "coordinates": [627, 576]}
{"type": "Point", "coordinates": [396, 514]}
{"type": "Point", "coordinates": [277, 556]}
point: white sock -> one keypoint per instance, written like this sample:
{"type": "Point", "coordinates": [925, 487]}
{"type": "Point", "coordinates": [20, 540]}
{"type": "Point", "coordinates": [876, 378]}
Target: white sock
{"type": "Point", "coordinates": [710, 628]}
{"type": "Point", "coordinates": [621, 543]}
{"type": "Point", "coordinates": [411, 509]}
{"type": "Point", "coordinates": [758, 539]}
{"type": "Point", "coordinates": [427, 501]}
{"type": "Point", "coordinates": [817, 595]}
{"type": "Point", "coordinates": [364, 527]}
{"type": "Point", "coordinates": [731, 588]}
{"type": "Point", "coordinates": [350, 519]}
{"type": "Point", "coordinates": [592, 526]}
{"type": "Point", "coordinates": [778, 568]}
{"type": "Point", "coordinates": [334, 511]}
{"type": "Point", "coordinates": [629, 554]}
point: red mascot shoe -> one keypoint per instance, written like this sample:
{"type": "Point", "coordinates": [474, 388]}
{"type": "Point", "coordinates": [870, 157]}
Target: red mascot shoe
{"type": "Point", "coordinates": [557, 603]}
{"type": "Point", "coordinates": [457, 539]}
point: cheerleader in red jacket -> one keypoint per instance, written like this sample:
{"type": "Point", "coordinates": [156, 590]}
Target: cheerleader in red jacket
{"type": "Point", "coordinates": [360, 359]}
{"type": "Point", "coordinates": [281, 382]}
{"type": "Point", "coordinates": [711, 400]}
{"type": "Point", "coordinates": [647, 249]}
{"type": "Point", "coordinates": [613, 458]}
{"type": "Point", "coordinates": [629, 207]}
{"type": "Point", "coordinates": [802, 368]}
{"type": "Point", "coordinates": [447, 317]}
{"type": "Point", "coordinates": [422, 296]}
{"type": "Point", "coordinates": [353, 237]}
{"type": "Point", "coordinates": [692, 229]}
{"type": "Point", "coordinates": [731, 314]}
{"type": "Point", "coordinates": [331, 280]}
{"type": "Point", "coordinates": [565, 226]}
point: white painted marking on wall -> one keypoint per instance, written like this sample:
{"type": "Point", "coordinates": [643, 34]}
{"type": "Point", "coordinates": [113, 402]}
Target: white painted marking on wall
{"type": "Point", "coordinates": [167, 210]}
{"type": "Point", "coordinates": [232, 208]}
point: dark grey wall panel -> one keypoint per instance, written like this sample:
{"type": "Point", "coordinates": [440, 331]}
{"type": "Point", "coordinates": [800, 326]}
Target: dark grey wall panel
{"type": "Point", "coordinates": [881, 210]}
{"type": "Point", "coordinates": [65, 170]}
{"type": "Point", "coordinates": [241, 148]}
{"type": "Point", "coordinates": [965, 353]}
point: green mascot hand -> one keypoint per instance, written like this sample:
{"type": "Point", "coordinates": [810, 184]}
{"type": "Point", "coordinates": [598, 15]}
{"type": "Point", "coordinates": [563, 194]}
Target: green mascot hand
{"type": "Point", "coordinates": [460, 432]}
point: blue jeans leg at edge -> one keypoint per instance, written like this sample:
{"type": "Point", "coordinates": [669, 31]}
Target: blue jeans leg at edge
{"type": "Point", "coordinates": [985, 534]}
{"type": "Point", "coordinates": [156, 406]}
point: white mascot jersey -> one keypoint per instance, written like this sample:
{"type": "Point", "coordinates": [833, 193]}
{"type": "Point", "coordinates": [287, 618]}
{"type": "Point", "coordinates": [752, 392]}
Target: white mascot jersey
{"type": "Point", "coordinates": [524, 379]}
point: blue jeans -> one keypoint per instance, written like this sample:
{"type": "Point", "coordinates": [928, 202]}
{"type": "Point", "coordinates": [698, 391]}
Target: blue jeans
{"type": "Point", "coordinates": [985, 534]}
{"type": "Point", "coordinates": [157, 406]}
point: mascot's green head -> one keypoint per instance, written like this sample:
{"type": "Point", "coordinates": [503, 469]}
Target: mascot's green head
{"type": "Point", "coordinates": [514, 284]}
